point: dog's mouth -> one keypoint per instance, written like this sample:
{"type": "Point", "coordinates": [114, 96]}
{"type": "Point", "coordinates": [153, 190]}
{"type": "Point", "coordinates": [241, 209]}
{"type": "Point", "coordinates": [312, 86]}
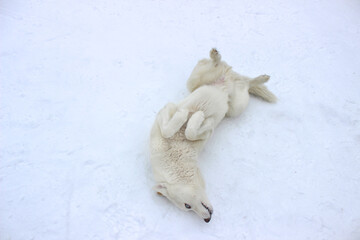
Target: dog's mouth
{"type": "Point", "coordinates": [210, 212]}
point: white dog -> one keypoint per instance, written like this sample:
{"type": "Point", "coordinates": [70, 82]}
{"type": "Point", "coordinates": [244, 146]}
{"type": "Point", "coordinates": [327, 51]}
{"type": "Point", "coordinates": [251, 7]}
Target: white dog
{"type": "Point", "coordinates": [181, 130]}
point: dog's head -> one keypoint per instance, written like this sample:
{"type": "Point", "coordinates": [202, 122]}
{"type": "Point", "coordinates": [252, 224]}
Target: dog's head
{"type": "Point", "coordinates": [187, 198]}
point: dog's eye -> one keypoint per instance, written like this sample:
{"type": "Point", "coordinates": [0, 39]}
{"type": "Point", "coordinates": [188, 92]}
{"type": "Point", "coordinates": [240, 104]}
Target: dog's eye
{"type": "Point", "coordinates": [187, 206]}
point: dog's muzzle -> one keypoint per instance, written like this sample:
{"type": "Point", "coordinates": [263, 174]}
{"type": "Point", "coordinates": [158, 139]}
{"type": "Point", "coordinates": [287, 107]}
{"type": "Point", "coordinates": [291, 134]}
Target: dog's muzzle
{"type": "Point", "coordinates": [210, 212]}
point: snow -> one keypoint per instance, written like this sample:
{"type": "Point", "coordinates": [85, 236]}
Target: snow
{"type": "Point", "coordinates": [81, 83]}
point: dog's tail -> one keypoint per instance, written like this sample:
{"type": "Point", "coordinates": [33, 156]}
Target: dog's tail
{"type": "Point", "coordinates": [215, 56]}
{"type": "Point", "coordinates": [257, 88]}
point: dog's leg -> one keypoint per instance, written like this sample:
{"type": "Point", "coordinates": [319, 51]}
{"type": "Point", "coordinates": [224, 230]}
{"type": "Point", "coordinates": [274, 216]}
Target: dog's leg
{"type": "Point", "coordinates": [257, 88]}
{"type": "Point", "coordinates": [259, 80]}
{"type": "Point", "coordinates": [171, 119]}
{"type": "Point", "coordinates": [215, 56]}
{"type": "Point", "coordinates": [206, 129]}
{"type": "Point", "coordinates": [199, 128]}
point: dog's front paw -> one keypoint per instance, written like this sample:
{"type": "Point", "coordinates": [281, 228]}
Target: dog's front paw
{"type": "Point", "coordinates": [192, 128]}
{"type": "Point", "coordinates": [183, 112]}
{"type": "Point", "coordinates": [168, 110]}
{"type": "Point", "coordinates": [171, 107]}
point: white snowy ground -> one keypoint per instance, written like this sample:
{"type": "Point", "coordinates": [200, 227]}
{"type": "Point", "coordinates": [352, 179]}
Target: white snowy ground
{"type": "Point", "coordinates": [81, 83]}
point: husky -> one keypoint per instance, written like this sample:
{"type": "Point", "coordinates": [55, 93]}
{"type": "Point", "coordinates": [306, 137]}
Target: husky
{"type": "Point", "coordinates": [181, 130]}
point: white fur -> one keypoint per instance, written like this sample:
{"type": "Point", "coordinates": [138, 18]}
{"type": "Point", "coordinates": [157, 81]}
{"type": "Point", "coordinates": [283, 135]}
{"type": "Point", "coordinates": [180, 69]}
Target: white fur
{"type": "Point", "coordinates": [181, 130]}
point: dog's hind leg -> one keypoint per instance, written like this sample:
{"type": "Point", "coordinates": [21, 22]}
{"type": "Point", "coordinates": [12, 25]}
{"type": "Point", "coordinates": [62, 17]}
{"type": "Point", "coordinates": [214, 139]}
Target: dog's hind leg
{"type": "Point", "coordinates": [215, 56]}
{"type": "Point", "coordinates": [199, 128]}
{"type": "Point", "coordinates": [259, 80]}
{"type": "Point", "coordinates": [257, 88]}
{"type": "Point", "coordinates": [170, 119]}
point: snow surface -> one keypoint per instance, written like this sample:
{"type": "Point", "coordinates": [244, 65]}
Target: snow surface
{"type": "Point", "coordinates": [81, 83]}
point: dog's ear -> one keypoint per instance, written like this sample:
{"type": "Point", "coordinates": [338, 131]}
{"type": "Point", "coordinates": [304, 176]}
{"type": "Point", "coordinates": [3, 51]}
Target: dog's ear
{"type": "Point", "coordinates": [161, 189]}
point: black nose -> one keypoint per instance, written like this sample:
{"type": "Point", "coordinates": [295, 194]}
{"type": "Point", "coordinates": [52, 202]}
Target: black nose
{"type": "Point", "coordinates": [207, 220]}
{"type": "Point", "coordinates": [207, 208]}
